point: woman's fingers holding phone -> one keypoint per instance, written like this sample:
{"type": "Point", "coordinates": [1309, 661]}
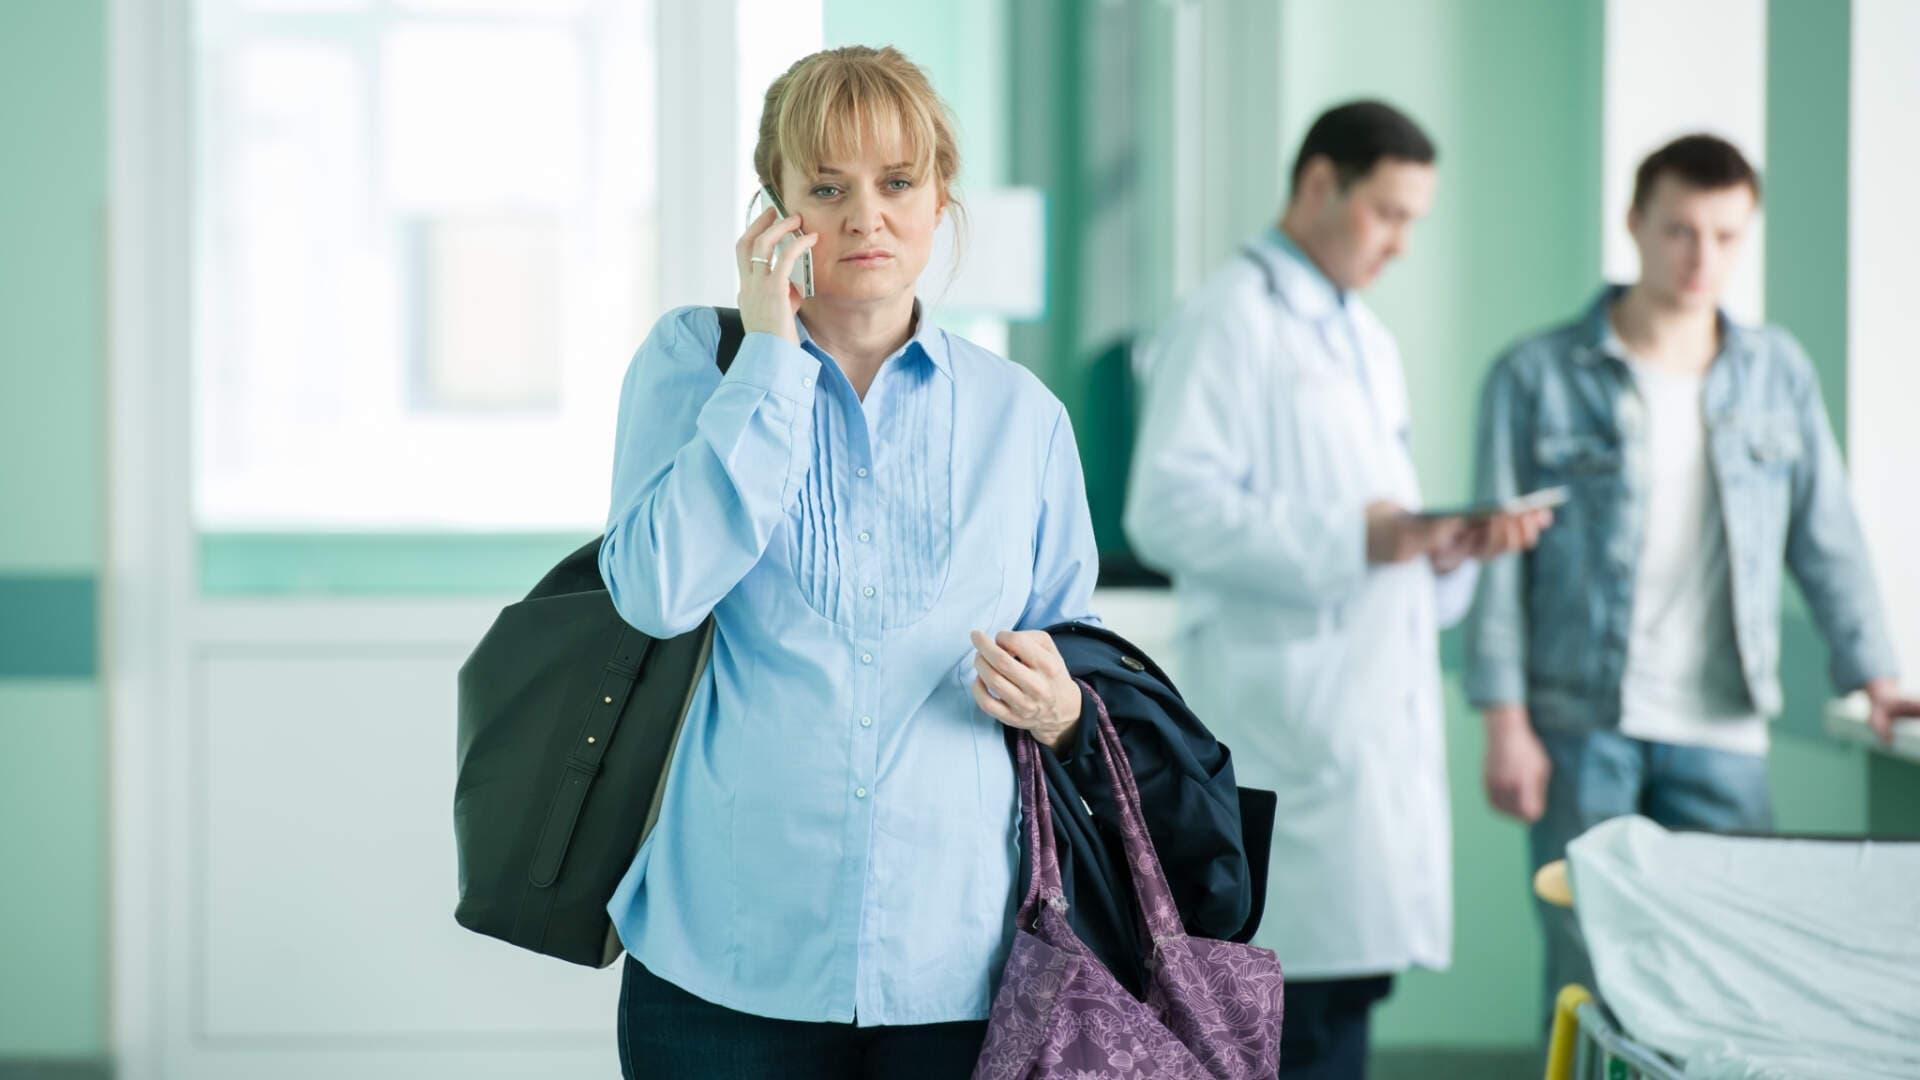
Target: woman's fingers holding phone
{"type": "Point", "coordinates": [743, 247]}
{"type": "Point", "coordinates": [757, 243]}
{"type": "Point", "coordinates": [769, 237]}
{"type": "Point", "coordinates": [768, 300]}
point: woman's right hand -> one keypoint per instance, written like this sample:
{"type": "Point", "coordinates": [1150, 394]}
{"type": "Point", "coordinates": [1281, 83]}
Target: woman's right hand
{"type": "Point", "coordinates": [769, 299]}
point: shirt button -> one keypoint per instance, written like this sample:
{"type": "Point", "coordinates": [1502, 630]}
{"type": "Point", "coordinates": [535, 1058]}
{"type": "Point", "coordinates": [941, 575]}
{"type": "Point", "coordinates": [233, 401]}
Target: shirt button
{"type": "Point", "coordinates": [866, 658]}
{"type": "Point", "coordinates": [865, 536]}
{"type": "Point", "coordinates": [859, 793]}
{"type": "Point", "coordinates": [866, 721]}
{"type": "Point", "coordinates": [868, 591]}
{"type": "Point", "coordinates": [806, 381]}
{"type": "Point", "coordinates": [861, 472]}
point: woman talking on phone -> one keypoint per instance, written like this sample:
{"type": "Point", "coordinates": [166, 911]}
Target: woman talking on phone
{"type": "Point", "coordinates": [878, 514]}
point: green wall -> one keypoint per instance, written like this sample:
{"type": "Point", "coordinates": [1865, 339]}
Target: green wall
{"type": "Point", "coordinates": [1818, 786]}
{"type": "Point", "coordinates": [1509, 88]}
{"type": "Point", "coordinates": [52, 313]}
{"type": "Point", "coordinates": [1809, 58]}
{"type": "Point", "coordinates": [1510, 92]}
{"type": "Point", "coordinates": [378, 564]}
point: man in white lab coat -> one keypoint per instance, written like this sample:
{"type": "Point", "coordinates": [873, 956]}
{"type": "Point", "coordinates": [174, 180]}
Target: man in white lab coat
{"type": "Point", "coordinates": [1273, 481]}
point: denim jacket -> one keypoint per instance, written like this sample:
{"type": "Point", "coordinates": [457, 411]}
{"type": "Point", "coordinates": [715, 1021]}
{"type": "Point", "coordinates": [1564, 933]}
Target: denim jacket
{"type": "Point", "coordinates": [1550, 628]}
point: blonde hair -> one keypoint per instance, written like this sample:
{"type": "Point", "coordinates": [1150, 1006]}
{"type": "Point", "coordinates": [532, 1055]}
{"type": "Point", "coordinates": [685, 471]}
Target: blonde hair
{"type": "Point", "coordinates": [827, 105]}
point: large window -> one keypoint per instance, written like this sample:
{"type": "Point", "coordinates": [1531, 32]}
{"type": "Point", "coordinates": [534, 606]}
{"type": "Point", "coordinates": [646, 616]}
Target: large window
{"type": "Point", "coordinates": [427, 241]}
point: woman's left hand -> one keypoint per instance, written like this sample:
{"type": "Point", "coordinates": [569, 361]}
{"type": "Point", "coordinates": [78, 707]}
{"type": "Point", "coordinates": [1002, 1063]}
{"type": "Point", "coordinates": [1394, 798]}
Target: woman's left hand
{"type": "Point", "coordinates": [1024, 683]}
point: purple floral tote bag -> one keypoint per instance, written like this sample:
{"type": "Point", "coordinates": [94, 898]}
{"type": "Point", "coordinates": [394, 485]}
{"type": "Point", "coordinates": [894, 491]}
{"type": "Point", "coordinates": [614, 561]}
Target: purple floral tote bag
{"type": "Point", "coordinates": [1213, 1008]}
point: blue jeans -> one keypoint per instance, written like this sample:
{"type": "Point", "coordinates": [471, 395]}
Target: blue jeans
{"type": "Point", "coordinates": [667, 1034]}
{"type": "Point", "coordinates": [1598, 775]}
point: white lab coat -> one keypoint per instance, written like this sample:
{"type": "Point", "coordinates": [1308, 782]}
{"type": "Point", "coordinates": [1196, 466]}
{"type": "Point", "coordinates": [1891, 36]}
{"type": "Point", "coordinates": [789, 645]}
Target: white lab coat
{"type": "Point", "coordinates": [1263, 439]}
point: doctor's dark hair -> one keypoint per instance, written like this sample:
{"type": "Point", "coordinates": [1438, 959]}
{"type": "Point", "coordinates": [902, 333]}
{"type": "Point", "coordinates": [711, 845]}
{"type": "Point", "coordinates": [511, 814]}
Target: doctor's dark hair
{"type": "Point", "coordinates": [1701, 161]}
{"type": "Point", "coordinates": [1356, 135]}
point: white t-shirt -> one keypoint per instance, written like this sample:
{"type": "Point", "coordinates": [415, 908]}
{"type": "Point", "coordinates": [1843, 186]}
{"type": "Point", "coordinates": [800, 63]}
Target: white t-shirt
{"type": "Point", "coordinates": [1683, 682]}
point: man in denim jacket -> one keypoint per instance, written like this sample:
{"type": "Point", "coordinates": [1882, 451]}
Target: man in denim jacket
{"type": "Point", "coordinates": [1629, 663]}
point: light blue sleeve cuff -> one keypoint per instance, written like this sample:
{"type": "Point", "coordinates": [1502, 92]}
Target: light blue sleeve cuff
{"type": "Point", "coordinates": [776, 365]}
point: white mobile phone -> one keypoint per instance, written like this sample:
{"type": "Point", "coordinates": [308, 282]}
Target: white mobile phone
{"type": "Point", "coordinates": [802, 275]}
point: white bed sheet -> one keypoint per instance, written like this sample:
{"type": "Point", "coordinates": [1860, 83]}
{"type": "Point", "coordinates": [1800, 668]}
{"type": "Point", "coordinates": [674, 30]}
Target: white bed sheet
{"type": "Point", "coordinates": [1756, 958]}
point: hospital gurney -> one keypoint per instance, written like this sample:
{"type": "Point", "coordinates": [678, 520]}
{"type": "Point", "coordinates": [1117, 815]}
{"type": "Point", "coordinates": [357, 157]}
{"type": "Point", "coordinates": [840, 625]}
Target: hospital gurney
{"type": "Point", "coordinates": [1586, 1043]}
{"type": "Point", "coordinates": [1739, 958]}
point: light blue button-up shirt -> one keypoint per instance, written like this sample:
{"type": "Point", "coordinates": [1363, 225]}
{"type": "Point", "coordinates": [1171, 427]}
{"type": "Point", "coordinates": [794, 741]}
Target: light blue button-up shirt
{"type": "Point", "coordinates": [837, 840]}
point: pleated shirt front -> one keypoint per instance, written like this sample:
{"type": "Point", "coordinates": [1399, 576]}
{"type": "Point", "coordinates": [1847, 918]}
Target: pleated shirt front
{"type": "Point", "coordinates": [837, 838]}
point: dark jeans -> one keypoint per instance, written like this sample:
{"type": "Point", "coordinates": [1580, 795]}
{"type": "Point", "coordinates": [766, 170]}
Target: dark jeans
{"type": "Point", "coordinates": [667, 1033]}
{"type": "Point", "coordinates": [1325, 1034]}
{"type": "Point", "coordinates": [1600, 775]}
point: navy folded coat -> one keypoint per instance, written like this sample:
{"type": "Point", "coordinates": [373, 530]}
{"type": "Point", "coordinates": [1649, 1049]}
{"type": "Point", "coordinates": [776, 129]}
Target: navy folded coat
{"type": "Point", "coordinates": [1212, 836]}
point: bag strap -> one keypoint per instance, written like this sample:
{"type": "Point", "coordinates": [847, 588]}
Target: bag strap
{"type": "Point", "coordinates": [1043, 859]}
{"type": "Point", "coordinates": [618, 677]}
{"type": "Point", "coordinates": [1150, 886]}
{"type": "Point", "coordinates": [732, 330]}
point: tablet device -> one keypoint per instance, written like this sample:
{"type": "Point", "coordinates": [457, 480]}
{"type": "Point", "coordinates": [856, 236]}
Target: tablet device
{"type": "Point", "coordinates": [1543, 499]}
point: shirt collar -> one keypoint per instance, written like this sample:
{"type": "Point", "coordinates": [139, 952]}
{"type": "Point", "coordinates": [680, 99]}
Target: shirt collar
{"type": "Point", "coordinates": [1599, 338]}
{"type": "Point", "coordinates": [1304, 287]}
{"type": "Point", "coordinates": [928, 345]}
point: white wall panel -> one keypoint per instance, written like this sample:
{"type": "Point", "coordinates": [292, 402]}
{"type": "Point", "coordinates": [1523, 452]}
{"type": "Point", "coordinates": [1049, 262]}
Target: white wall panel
{"type": "Point", "coordinates": [1673, 69]}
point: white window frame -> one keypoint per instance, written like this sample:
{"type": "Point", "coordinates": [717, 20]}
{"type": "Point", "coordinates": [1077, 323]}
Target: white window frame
{"type": "Point", "coordinates": [151, 592]}
{"type": "Point", "coordinates": [400, 465]}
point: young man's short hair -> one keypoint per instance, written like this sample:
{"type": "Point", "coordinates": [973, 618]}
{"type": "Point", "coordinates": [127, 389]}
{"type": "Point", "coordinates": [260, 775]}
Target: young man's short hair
{"type": "Point", "coordinates": [1702, 161]}
{"type": "Point", "coordinates": [1355, 136]}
